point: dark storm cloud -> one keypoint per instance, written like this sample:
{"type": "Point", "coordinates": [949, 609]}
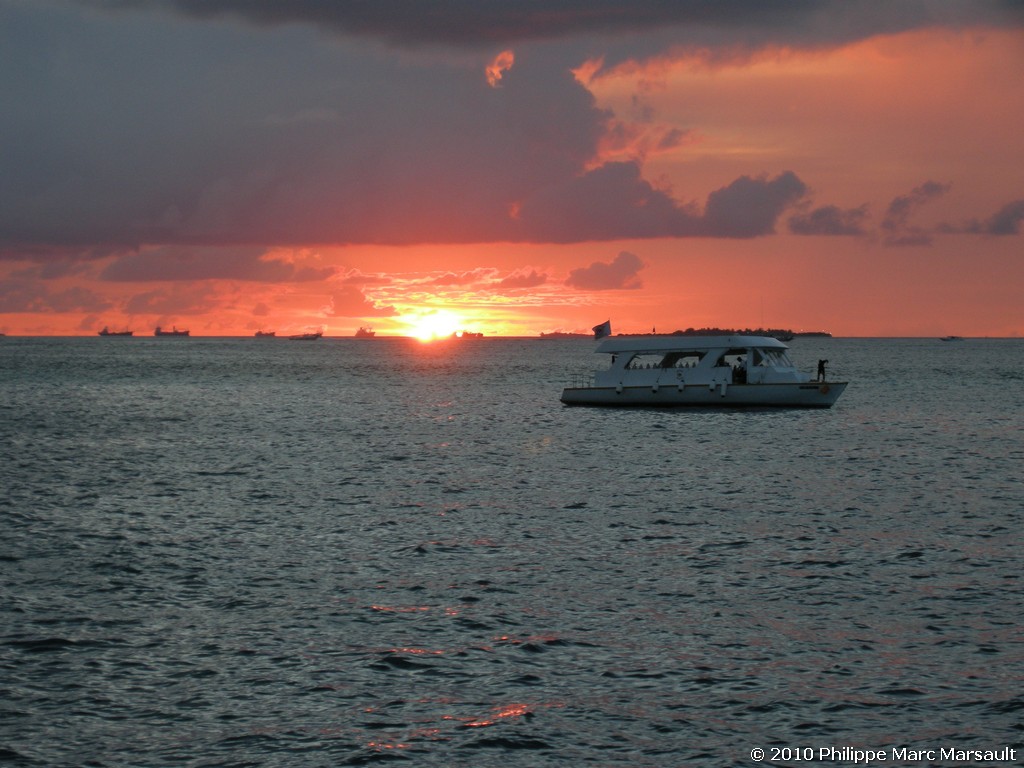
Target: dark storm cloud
{"type": "Point", "coordinates": [622, 272]}
{"type": "Point", "coordinates": [613, 201]}
{"type": "Point", "coordinates": [750, 207]}
{"type": "Point", "coordinates": [897, 227]}
{"type": "Point", "coordinates": [493, 22]}
{"type": "Point", "coordinates": [350, 301]}
{"type": "Point", "coordinates": [147, 132]}
{"type": "Point", "coordinates": [54, 269]}
{"type": "Point", "coordinates": [829, 220]}
{"type": "Point", "coordinates": [19, 295]}
{"type": "Point", "coordinates": [1008, 220]}
{"type": "Point", "coordinates": [197, 263]}
{"type": "Point", "coordinates": [127, 129]}
{"type": "Point", "coordinates": [225, 147]}
{"type": "Point", "coordinates": [178, 300]}
{"type": "Point", "coordinates": [606, 203]}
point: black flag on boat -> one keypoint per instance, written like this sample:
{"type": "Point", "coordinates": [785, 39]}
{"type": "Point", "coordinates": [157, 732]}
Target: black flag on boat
{"type": "Point", "coordinates": [602, 330]}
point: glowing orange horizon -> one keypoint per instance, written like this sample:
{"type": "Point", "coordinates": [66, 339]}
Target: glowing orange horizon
{"type": "Point", "coordinates": [432, 324]}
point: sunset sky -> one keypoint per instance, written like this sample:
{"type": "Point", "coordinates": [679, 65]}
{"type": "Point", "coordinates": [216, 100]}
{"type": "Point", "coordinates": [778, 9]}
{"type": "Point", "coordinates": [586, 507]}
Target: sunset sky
{"type": "Point", "coordinates": [511, 167]}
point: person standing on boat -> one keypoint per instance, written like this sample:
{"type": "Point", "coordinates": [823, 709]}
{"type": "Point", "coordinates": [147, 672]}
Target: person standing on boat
{"type": "Point", "coordinates": [821, 369]}
{"type": "Point", "coordinates": [739, 372]}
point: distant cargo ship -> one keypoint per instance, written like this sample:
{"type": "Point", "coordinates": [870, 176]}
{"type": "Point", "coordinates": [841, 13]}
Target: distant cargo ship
{"type": "Point", "coordinates": [107, 332]}
{"type": "Point", "coordinates": [173, 332]}
{"type": "Point", "coordinates": [266, 334]}
{"type": "Point", "coordinates": [365, 333]}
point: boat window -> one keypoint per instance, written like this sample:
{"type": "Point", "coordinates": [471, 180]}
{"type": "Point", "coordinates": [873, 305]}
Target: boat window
{"type": "Point", "coordinates": [776, 358]}
{"type": "Point", "coordinates": [644, 361]}
{"type": "Point", "coordinates": [733, 357]}
{"type": "Point", "coordinates": [641, 362]}
{"type": "Point", "coordinates": [681, 359]}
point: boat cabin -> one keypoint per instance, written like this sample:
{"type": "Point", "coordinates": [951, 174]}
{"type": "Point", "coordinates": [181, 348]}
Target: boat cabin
{"type": "Point", "coordinates": [696, 360]}
{"type": "Point", "coordinates": [736, 371]}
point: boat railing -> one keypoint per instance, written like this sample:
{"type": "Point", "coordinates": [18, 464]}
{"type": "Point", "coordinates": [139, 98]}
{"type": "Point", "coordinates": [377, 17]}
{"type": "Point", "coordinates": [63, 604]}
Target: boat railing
{"type": "Point", "coordinates": [581, 380]}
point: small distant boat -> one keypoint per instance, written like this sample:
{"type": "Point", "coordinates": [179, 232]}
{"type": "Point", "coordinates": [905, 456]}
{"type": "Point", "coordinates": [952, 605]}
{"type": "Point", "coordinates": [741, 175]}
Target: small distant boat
{"type": "Point", "coordinates": [107, 332]}
{"type": "Point", "coordinates": [173, 332]}
{"type": "Point", "coordinates": [710, 371]}
{"type": "Point", "coordinates": [467, 335]}
{"type": "Point", "coordinates": [306, 336]}
{"type": "Point", "coordinates": [365, 333]}
{"type": "Point", "coordinates": [266, 334]}
{"type": "Point", "coordinates": [952, 338]}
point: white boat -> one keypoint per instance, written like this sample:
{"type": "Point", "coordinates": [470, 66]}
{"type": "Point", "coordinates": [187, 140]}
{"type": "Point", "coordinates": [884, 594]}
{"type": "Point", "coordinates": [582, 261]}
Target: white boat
{"type": "Point", "coordinates": [715, 371]}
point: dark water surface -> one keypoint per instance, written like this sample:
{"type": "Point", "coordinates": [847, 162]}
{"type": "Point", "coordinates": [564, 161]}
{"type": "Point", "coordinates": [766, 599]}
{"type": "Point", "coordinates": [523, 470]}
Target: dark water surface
{"type": "Point", "coordinates": [242, 552]}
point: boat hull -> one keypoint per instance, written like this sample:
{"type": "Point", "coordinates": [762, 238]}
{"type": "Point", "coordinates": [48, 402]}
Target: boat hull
{"type": "Point", "coordinates": [785, 395]}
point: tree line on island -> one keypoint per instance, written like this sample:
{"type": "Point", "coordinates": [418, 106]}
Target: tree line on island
{"type": "Point", "coordinates": [782, 334]}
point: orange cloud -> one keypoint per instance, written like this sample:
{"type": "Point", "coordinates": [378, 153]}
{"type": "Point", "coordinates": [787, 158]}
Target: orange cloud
{"type": "Point", "coordinates": [501, 64]}
{"type": "Point", "coordinates": [523, 280]}
{"type": "Point", "coordinates": [481, 275]}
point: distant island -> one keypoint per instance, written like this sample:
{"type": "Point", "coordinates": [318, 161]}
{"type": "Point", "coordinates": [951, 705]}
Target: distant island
{"type": "Point", "coordinates": [782, 334]}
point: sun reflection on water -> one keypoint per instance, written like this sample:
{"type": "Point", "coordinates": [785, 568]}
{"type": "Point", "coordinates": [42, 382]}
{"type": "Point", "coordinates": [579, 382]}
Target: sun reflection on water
{"type": "Point", "coordinates": [507, 712]}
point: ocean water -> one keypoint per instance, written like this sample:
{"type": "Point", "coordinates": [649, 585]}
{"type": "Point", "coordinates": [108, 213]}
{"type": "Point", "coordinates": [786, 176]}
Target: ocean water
{"type": "Point", "coordinates": [241, 552]}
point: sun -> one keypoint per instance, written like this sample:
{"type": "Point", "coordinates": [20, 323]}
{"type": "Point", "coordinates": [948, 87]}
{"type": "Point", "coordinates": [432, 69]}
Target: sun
{"type": "Point", "coordinates": [433, 324]}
